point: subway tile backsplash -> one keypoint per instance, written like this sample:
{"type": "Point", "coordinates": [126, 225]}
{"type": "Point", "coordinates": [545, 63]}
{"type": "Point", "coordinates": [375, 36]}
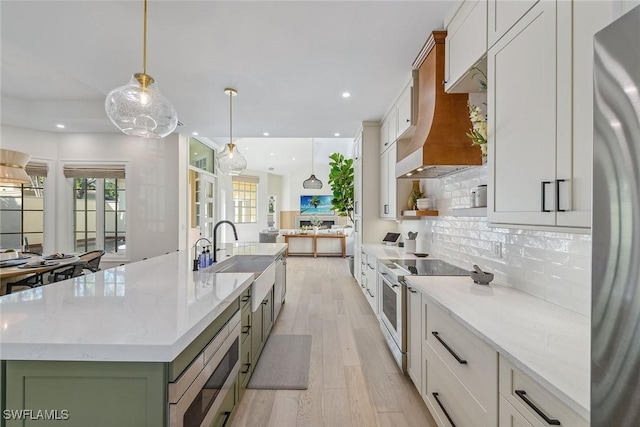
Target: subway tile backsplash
{"type": "Point", "coordinates": [551, 265]}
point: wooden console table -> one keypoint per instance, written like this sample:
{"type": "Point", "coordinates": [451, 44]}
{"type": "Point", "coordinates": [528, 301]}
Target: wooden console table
{"type": "Point", "coordinates": [314, 243]}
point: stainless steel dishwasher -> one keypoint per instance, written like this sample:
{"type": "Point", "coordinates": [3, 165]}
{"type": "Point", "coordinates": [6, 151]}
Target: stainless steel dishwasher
{"type": "Point", "coordinates": [280, 288]}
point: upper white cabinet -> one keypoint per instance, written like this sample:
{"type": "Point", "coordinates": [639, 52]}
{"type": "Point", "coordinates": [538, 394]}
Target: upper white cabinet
{"type": "Point", "coordinates": [540, 115]}
{"type": "Point", "coordinates": [503, 14]}
{"type": "Point", "coordinates": [394, 193]}
{"type": "Point", "coordinates": [401, 117]}
{"type": "Point", "coordinates": [465, 46]}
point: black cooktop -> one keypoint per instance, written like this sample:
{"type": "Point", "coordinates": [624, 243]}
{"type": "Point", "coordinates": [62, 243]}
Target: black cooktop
{"type": "Point", "coordinates": [430, 267]}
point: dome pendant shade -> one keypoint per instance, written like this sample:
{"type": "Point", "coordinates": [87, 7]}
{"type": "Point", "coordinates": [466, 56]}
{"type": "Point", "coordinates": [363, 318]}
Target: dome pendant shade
{"type": "Point", "coordinates": [231, 162]}
{"type": "Point", "coordinates": [312, 183]}
{"type": "Point", "coordinates": [12, 165]}
{"type": "Point", "coordinates": [139, 109]}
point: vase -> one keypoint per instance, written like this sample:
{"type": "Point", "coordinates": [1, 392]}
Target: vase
{"type": "Point", "coordinates": [315, 229]}
{"type": "Point", "coordinates": [411, 202]}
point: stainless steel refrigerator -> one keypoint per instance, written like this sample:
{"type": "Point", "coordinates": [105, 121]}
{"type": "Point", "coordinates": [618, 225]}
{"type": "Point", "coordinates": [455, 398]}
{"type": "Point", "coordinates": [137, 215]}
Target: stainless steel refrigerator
{"type": "Point", "coordinates": [615, 321]}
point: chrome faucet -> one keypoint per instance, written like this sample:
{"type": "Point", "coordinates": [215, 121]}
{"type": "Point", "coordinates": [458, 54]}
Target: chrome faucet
{"type": "Point", "coordinates": [215, 228]}
{"type": "Point", "coordinates": [196, 261]}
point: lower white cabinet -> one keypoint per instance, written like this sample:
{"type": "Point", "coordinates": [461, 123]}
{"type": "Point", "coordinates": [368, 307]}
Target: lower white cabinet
{"type": "Point", "coordinates": [510, 417]}
{"type": "Point", "coordinates": [536, 404]}
{"type": "Point", "coordinates": [414, 336]}
{"type": "Point", "coordinates": [371, 288]}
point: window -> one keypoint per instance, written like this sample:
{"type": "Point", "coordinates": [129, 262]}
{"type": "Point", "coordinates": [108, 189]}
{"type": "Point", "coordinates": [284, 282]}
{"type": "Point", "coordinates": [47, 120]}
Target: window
{"type": "Point", "coordinates": [99, 206]}
{"type": "Point", "coordinates": [22, 211]}
{"type": "Point", "coordinates": [245, 194]}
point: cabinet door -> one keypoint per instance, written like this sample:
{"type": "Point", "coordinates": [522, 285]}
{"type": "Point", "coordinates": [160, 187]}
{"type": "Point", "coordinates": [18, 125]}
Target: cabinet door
{"type": "Point", "coordinates": [414, 334]}
{"type": "Point", "coordinates": [503, 14]}
{"type": "Point", "coordinates": [522, 120]}
{"type": "Point", "coordinates": [465, 45]}
{"type": "Point", "coordinates": [392, 118]}
{"type": "Point", "coordinates": [385, 212]}
{"type": "Point", "coordinates": [405, 111]}
{"type": "Point", "coordinates": [509, 417]}
{"type": "Point", "coordinates": [256, 334]}
{"type": "Point", "coordinates": [392, 155]}
{"type": "Point", "coordinates": [575, 152]}
{"type": "Point", "coordinates": [357, 193]}
{"type": "Point", "coordinates": [384, 135]}
{"type": "Point", "coordinates": [267, 315]}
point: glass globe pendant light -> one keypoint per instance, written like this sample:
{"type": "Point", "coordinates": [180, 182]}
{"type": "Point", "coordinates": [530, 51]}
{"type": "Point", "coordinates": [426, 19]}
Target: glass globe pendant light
{"type": "Point", "coordinates": [230, 161]}
{"type": "Point", "coordinates": [138, 108]}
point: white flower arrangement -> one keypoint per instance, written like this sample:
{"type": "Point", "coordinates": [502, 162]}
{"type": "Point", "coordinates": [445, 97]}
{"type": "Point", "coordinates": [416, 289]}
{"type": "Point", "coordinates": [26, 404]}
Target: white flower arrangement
{"type": "Point", "coordinates": [315, 221]}
{"type": "Point", "coordinates": [478, 131]}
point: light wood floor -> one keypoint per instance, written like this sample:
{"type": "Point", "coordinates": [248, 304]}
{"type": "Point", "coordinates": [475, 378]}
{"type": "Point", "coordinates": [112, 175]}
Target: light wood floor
{"type": "Point", "coordinates": [353, 380]}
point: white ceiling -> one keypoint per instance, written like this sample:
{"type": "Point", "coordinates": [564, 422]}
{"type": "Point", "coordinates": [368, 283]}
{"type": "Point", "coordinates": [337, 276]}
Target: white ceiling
{"type": "Point", "coordinates": [289, 61]}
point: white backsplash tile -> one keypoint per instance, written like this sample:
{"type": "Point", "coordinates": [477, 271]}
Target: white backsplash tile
{"type": "Point", "coordinates": [551, 265]}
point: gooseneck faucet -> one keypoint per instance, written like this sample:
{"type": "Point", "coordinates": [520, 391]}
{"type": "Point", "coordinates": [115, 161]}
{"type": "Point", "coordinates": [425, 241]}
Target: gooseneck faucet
{"type": "Point", "coordinates": [215, 229]}
{"type": "Point", "coordinates": [196, 261]}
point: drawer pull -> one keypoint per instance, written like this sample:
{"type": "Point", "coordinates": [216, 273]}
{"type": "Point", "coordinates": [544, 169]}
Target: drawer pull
{"type": "Point", "coordinates": [370, 294]}
{"type": "Point", "coordinates": [446, 414]}
{"type": "Point", "coordinates": [453, 353]}
{"type": "Point", "coordinates": [523, 395]}
{"type": "Point", "coordinates": [226, 414]}
{"type": "Point", "coordinates": [246, 329]}
{"type": "Point", "coordinates": [246, 298]}
{"type": "Point", "coordinates": [412, 290]}
{"type": "Point", "coordinates": [248, 365]}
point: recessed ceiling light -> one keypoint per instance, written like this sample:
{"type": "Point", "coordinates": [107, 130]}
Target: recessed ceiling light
{"type": "Point", "coordinates": [409, 174]}
{"type": "Point", "coordinates": [265, 133]}
{"type": "Point", "coordinates": [420, 169]}
{"type": "Point", "coordinates": [336, 134]}
{"type": "Point", "coordinates": [346, 94]}
{"type": "Point", "coordinates": [293, 158]}
{"type": "Point", "coordinates": [60, 126]}
{"type": "Point", "coordinates": [194, 133]}
{"type": "Point", "coordinates": [271, 154]}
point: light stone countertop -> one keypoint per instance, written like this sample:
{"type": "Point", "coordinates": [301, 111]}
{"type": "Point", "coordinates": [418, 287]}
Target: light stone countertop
{"type": "Point", "coordinates": [549, 343]}
{"type": "Point", "coordinates": [145, 311]}
{"type": "Point", "coordinates": [382, 251]}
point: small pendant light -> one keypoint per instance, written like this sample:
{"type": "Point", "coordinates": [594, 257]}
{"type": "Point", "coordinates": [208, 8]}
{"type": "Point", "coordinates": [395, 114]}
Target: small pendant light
{"type": "Point", "coordinates": [312, 182]}
{"type": "Point", "coordinates": [230, 161]}
{"type": "Point", "coordinates": [138, 108]}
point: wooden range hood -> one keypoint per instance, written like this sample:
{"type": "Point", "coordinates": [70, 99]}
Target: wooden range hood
{"type": "Point", "coordinates": [439, 144]}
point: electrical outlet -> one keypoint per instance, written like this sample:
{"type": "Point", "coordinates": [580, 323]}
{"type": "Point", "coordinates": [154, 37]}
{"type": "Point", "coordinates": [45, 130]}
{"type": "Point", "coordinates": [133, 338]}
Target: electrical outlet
{"type": "Point", "coordinates": [497, 249]}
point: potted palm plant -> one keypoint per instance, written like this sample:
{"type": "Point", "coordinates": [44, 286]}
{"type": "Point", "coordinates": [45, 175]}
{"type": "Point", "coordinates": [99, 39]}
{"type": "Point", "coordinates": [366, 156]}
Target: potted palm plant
{"type": "Point", "coordinates": [341, 180]}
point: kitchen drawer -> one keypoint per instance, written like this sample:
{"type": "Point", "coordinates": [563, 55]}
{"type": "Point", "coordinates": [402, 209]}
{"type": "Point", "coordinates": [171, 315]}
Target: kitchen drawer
{"type": "Point", "coordinates": [471, 360]}
{"type": "Point", "coordinates": [245, 327]}
{"type": "Point", "coordinates": [525, 394]}
{"type": "Point", "coordinates": [226, 408]}
{"type": "Point", "coordinates": [246, 365]}
{"type": "Point", "coordinates": [448, 401]}
{"type": "Point", "coordinates": [510, 417]}
{"type": "Point", "coordinates": [245, 298]}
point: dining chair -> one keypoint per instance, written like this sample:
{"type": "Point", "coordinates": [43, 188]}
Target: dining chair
{"type": "Point", "coordinates": [91, 260]}
{"type": "Point", "coordinates": [66, 272]}
{"type": "Point", "coordinates": [32, 281]}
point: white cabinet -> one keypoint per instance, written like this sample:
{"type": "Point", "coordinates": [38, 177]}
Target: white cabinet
{"type": "Point", "coordinates": [540, 108]}
{"type": "Point", "coordinates": [414, 336]}
{"type": "Point", "coordinates": [510, 417]}
{"type": "Point", "coordinates": [465, 46]}
{"type": "Point", "coordinates": [385, 142]}
{"type": "Point", "coordinates": [404, 110]}
{"type": "Point", "coordinates": [534, 402]}
{"type": "Point", "coordinates": [371, 288]}
{"type": "Point", "coordinates": [503, 14]}
{"type": "Point", "coordinates": [388, 206]}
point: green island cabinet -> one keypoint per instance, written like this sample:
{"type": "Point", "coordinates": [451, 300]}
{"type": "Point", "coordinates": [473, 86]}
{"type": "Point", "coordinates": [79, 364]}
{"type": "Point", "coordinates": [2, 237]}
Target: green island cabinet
{"type": "Point", "coordinates": [123, 394]}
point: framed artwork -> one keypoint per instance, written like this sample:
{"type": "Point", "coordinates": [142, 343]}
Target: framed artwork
{"type": "Point", "coordinates": [310, 205]}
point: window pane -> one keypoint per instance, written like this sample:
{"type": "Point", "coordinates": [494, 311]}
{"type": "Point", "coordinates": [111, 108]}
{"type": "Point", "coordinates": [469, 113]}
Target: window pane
{"type": "Point", "coordinates": [35, 241]}
{"type": "Point", "coordinates": [109, 222]}
{"type": "Point", "coordinates": [34, 202]}
{"type": "Point", "coordinates": [11, 222]}
{"type": "Point", "coordinates": [80, 222]}
{"type": "Point", "coordinates": [11, 201]}
{"type": "Point", "coordinates": [13, 241]}
{"type": "Point", "coordinates": [33, 221]}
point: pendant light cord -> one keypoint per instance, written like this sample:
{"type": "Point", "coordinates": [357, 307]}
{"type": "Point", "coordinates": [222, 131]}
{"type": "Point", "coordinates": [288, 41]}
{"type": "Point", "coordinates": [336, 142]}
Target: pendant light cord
{"type": "Point", "coordinates": [230, 117]}
{"type": "Point", "coordinates": [312, 172]}
{"type": "Point", "coordinates": [144, 41]}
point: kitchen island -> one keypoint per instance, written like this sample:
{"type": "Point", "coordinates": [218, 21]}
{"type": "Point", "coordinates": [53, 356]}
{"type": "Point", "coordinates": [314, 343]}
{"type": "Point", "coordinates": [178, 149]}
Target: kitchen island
{"type": "Point", "coordinates": [105, 346]}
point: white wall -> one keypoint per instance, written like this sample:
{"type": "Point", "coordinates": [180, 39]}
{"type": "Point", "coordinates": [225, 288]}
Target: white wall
{"type": "Point", "coordinates": [293, 189]}
{"type": "Point", "coordinates": [154, 220]}
{"type": "Point", "coordinates": [551, 265]}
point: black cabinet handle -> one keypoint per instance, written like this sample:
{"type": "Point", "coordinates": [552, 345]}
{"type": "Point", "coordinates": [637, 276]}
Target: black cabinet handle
{"type": "Point", "coordinates": [395, 286]}
{"type": "Point", "coordinates": [408, 120]}
{"type": "Point", "coordinates": [446, 414]}
{"type": "Point", "coordinates": [386, 143]}
{"type": "Point", "coordinates": [226, 414]}
{"type": "Point", "coordinates": [246, 329]}
{"type": "Point", "coordinates": [444, 344]}
{"type": "Point", "coordinates": [265, 302]}
{"type": "Point", "coordinates": [544, 187]}
{"type": "Point", "coordinates": [246, 371]}
{"type": "Point", "coordinates": [444, 82]}
{"type": "Point", "coordinates": [369, 292]}
{"type": "Point", "coordinates": [370, 266]}
{"type": "Point", "coordinates": [412, 290]}
{"type": "Point", "coordinates": [386, 209]}
{"type": "Point", "coordinates": [523, 395]}
{"type": "Point", "coordinates": [246, 298]}
{"type": "Point", "coordinates": [558, 181]}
